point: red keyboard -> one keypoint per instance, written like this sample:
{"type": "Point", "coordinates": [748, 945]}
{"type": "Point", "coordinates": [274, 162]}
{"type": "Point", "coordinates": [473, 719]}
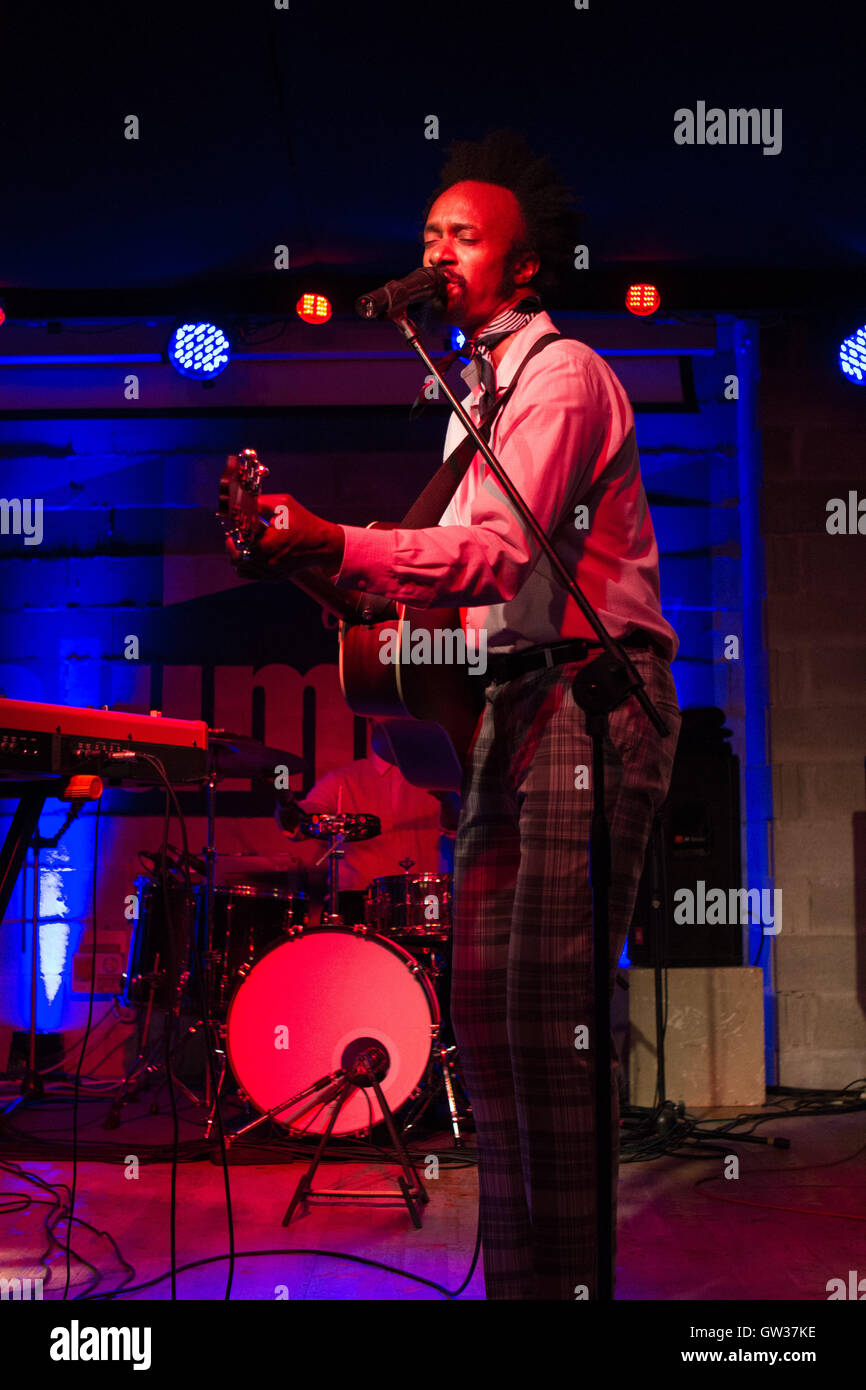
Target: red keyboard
{"type": "Point", "coordinates": [38, 740]}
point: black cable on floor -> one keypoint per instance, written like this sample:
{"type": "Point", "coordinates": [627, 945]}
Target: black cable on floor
{"type": "Point", "coordinates": [450, 1294]}
{"type": "Point", "coordinates": [83, 1049]}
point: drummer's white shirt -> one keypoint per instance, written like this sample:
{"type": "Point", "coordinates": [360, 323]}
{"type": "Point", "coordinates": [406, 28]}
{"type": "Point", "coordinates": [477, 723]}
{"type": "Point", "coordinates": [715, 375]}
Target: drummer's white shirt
{"type": "Point", "coordinates": [409, 816]}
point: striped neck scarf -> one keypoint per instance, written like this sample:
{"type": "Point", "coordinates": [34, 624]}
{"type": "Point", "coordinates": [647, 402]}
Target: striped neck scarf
{"type": "Point", "coordinates": [480, 348]}
{"type": "Point", "coordinates": [515, 317]}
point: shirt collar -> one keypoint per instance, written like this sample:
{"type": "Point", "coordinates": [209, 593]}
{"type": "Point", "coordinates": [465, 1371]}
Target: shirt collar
{"type": "Point", "coordinates": [380, 764]}
{"type": "Point", "coordinates": [514, 354]}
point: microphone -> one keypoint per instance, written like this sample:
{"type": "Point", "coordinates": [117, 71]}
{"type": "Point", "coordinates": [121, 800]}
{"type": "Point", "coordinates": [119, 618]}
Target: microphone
{"type": "Point", "coordinates": [397, 295]}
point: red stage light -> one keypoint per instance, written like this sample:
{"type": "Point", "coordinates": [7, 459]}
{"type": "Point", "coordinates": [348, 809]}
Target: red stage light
{"type": "Point", "coordinates": [313, 308]}
{"type": "Point", "coordinates": [2, 314]}
{"type": "Point", "coordinates": [642, 299]}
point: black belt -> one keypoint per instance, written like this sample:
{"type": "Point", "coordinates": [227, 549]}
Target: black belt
{"type": "Point", "coordinates": [506, 668]}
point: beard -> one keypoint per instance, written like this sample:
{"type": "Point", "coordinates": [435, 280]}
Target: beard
{"type": "Point", "coordinates": [440, 314]}
{"type": "Point", "coordinates": [449, 310]}
{"type": "Point", "coordinates": [448, 307]}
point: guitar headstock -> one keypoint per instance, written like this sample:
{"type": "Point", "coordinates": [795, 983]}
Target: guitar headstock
{"type": "Point", "coordinates": [238, 511]}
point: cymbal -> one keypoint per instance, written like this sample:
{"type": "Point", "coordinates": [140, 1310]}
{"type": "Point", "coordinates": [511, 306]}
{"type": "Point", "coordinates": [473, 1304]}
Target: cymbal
{"type": "Point", "coordinates": [238, 755]}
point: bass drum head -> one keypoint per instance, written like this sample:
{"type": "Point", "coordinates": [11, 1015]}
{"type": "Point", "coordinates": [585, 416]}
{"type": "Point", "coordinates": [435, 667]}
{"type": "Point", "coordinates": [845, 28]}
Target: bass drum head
{"type": "Point", "coordinates": [305, 1003]}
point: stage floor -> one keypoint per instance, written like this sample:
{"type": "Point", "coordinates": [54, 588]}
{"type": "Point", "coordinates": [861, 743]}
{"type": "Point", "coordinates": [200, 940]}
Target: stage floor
{"type": "Point", "coordinates": [792, 1220]}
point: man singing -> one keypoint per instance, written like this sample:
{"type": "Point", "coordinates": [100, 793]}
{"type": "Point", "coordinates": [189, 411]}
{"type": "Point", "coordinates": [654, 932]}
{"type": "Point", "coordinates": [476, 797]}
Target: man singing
{"type": "Point", "coordinates": [498, 227]}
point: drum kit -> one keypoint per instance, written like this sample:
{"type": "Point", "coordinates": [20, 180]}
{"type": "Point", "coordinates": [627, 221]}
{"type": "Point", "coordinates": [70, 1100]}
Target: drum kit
{"type": "Point", "coordinates": [328, 1028]}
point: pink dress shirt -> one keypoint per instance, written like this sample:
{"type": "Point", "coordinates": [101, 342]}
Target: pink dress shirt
{"type": "Point", "coordinates": [566, 439]}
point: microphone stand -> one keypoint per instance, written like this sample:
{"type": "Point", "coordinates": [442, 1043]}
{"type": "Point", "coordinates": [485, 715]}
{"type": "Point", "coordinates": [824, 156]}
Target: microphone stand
{"type": "Point", "coordinates": [599, 688]}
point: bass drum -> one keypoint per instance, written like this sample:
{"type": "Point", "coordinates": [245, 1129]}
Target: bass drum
{"type": "Point", "coordinates": [304, 1008]}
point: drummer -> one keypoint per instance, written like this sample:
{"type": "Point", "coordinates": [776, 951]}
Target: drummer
{"type": "Point", "coordinates": [417, 825]}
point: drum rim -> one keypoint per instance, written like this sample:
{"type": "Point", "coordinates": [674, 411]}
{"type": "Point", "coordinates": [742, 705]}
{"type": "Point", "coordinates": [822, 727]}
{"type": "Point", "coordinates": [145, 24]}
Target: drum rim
{"type": "Point", "coordinates": [147, 882]}
{"type": "Point", "coordinates": [317, 929]}
{"type": "Point", "coordinates": [252, 890]}
{"type": "Point", "coordinates": [413, 878]}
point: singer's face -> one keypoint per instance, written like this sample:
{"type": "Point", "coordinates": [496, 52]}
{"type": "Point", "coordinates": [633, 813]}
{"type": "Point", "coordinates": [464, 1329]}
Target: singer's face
{"type": "Point", "coordinates": [470, 235]}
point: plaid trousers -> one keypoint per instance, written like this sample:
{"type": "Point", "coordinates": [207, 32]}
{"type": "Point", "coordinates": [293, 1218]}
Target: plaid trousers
{"type": "Point", "coordinates": [522, 960]}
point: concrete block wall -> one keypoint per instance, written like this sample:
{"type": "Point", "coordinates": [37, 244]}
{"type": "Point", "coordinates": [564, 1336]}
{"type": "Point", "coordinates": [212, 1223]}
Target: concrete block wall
{"type": "Point", "coordinates": [813, 426]}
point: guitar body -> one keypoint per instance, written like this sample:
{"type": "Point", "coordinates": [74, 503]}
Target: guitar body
{"type": "Point", "coordinates": [429, 708]}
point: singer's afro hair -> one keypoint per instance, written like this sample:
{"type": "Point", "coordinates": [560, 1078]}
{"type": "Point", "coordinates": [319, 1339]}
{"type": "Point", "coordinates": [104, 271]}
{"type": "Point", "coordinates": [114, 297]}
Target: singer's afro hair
{"type": "Point", "coordinates": [553, 222]}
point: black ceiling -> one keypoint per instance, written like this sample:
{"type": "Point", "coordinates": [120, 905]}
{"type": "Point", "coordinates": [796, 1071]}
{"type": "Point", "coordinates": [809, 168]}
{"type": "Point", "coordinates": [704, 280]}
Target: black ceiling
{"type": "Point", "coordinates": [305, 126]}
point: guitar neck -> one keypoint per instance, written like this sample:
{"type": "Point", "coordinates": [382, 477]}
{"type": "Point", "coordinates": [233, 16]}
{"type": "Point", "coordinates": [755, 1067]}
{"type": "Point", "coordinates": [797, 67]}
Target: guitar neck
{"type": "Point", "coordinates": [343, 603]}
{"type": "Point", "coordinates": [239, 513]}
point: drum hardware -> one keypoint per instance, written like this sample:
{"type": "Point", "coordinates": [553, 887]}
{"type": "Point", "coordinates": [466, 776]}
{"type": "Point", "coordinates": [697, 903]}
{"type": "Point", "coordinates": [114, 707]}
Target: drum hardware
{"type": "Point", "coordinates": [155, 930]}
{"type": "Point", "coordinates": [208, 965]}
{"type": "Point", "coordinates": [406, 865]}
{"type": "Point", "coordinates": [220, 1053]}
{"type": "Point", "coordinates": [237, 928]}
{"type": "Point", "coordinates": [218, 962]}
{"type": "Point", "coordinates": [333, 856]}
{"type": "Point", "coordinates": [447, 1060]}
{"type": "Point", "coordinates": [328, 995]}
{"type": "Point", "coordinates": [368, 1068]}
{"type": "Point", "coordinates": [244, 921]}
{"type": "Point", "coordinates": [230, 755]}
{"type": "Point", "coordinates": [369, 1064]}
{"type": "Point", "coordinates": [149, 1068]}
{"type": "Point", "coordinates": [165, 918]}
{"type": "Point", "coordinates": [340, 828]}
{"type": "Point", "coordinates": [442, 1077]}
{"type": "Point", "coordinates": [308, 999]}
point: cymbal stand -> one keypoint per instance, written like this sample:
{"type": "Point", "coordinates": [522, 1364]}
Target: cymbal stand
{"type": "Point", "coordinates": [406, 865]}
{"type": "Point", "coordinates": [202, 964]}
{"type": "Point", "coordinates": [214, 1027]}
{"type": "Point", "coordinates": [206, 963]}
{"type": "Point", "coordinates": [443, 1062]}
{"type": "Point", "coordinates": [333, 855]}
{"type": "Point", "coordinates": [145, 1063]}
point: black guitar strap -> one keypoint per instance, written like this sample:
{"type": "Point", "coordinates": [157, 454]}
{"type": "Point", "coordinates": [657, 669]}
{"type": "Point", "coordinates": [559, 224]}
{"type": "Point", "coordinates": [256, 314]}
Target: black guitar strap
{"type": "Point", "coordinates": [428, 508]}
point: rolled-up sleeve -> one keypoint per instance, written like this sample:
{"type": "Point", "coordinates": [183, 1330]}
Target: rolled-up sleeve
{"type": "Point", "coordinates": [547, 447]}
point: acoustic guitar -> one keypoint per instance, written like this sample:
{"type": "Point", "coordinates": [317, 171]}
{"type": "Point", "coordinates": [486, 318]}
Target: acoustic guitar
{"type": "Point", "coordinates": [429, 705]}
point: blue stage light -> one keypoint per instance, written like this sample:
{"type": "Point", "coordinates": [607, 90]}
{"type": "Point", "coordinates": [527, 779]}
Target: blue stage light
{"type": "Point", "coordinates": [458, 338]}
{"type": "Point", "coordinates": [852, 356]}
{"type": "Point", "coordinates": [199, 350]}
